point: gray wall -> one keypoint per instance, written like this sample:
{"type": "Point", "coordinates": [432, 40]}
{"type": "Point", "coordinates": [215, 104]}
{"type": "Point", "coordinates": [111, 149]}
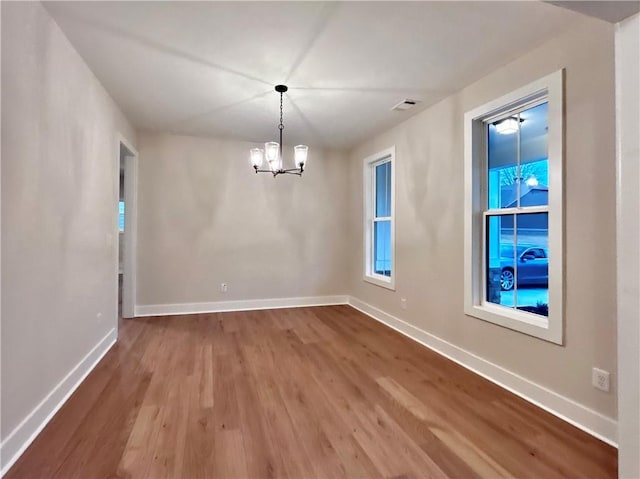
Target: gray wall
{"type": "Point", "coordinates": [59, 197]}
{"type": "Point", "coordinates": [205, 217]}
{"type": "Point", "coordinates": [430, 217]}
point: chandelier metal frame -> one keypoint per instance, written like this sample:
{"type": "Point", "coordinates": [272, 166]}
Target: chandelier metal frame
{"type": "Point", "coordinates": [257, 155]}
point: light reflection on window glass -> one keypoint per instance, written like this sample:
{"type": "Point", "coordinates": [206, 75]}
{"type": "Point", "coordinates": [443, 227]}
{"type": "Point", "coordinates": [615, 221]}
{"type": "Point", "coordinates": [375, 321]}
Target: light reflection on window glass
{"type": "Point", "coordinates": [518, 164]}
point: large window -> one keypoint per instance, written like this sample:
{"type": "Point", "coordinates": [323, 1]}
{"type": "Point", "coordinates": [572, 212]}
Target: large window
{"type": "Point", "coordinates": [379, 221]}
{"type": "Point", "coordinates": [513, 244]}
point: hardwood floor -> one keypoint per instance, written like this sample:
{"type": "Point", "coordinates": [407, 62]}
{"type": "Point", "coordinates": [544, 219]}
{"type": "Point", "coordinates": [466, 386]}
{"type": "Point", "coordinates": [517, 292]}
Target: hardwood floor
{"type": "Point", "coordinates": [297, 393]}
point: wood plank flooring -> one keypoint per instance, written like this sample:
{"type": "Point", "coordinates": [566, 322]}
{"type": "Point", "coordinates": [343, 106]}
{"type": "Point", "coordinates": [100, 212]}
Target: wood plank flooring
{"type": "Point", "coordinates": [321, 392]}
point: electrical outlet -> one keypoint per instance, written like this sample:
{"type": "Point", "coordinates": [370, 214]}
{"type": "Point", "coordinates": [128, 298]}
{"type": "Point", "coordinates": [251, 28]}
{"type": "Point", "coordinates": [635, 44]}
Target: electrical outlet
{"type": "Point", "coordinates": [223, 287]}
{"type": "Point", "coordinates": [600, 379]}
{"type": "Point", "coordinates": [403, 303]}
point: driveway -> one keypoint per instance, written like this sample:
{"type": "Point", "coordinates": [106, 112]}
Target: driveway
{"type": "Point", "coordinates": [526, 296]}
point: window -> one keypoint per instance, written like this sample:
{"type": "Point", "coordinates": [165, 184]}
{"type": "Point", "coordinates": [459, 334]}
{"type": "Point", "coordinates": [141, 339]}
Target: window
{"type": "Point", "coordinates": [379, 219]}
{"type": "Point", "coordinates": [121, 216]}
{"type": "Point", "coordinates": [513, 210]}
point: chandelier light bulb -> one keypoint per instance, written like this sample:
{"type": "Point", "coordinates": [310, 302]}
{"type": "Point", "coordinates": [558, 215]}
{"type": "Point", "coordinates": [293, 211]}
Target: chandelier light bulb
{"type": "Point", "coordinates": [272, 152]}
{"type": "Point", "coordinates": [300, 155]}
{"type": "Point", "coordinates": [257, 157]}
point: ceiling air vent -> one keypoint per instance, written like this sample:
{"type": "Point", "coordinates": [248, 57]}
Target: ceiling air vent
{"type": "Point", "coordinates": [405, 105]}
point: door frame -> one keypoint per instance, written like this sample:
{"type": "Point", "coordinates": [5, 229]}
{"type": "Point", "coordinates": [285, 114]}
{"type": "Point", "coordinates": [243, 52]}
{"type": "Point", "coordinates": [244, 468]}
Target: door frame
{"type": "Point", "coordinates": [628, 252]}
{"type": "Point", "coordinates": [130, 227]}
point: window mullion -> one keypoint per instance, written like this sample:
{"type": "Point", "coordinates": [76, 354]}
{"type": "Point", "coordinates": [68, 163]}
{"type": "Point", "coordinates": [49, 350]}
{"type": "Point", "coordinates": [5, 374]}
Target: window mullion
{"type": "Point", "coordinates": [515, 261]}
{"type": "Point", "coordinates": [518, 166]}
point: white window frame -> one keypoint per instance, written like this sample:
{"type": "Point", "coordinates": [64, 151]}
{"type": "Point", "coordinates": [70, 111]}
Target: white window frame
{"type": "Point", "coordinates": [387, 155]}
{"type": "Point", "coordinates": [549, 328]}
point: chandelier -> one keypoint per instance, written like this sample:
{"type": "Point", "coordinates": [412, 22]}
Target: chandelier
{"type": "Point", "coordinates": [273, 151]}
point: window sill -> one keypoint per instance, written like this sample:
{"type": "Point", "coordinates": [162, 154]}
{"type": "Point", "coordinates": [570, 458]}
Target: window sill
{"type": "Point", "coordinates": [532, 324]}
{"type": "Point", "coordinates": [382, 281]}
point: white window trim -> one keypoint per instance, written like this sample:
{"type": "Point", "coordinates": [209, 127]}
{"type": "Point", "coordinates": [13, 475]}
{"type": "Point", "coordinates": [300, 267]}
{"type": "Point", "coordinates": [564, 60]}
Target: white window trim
{"type": "Point", "coordinates": [388, 282]}
{"type": "Point", "coordinates": [551, 328]}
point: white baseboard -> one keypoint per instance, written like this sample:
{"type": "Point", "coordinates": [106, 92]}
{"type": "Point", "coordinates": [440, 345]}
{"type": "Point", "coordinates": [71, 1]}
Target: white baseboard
{"type": "Point", "coordinates": [241, 305]}
{"type": "Point", "coordinates": [24, 434]}
{"type": "Point", "coordinates": [590, 421]}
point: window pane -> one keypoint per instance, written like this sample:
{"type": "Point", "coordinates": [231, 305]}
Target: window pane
{"type": "Point", "coordinates": [534, 161]}
{"type": "Point", "coordinates": [383, 190]}
{"type": "Point", "coordinates": [500, 251]}
{"type": "Point", "coordinates": [503, 164]}
{"type": "Point", "coordinates": [533, 262]}
{"type": "Point", "coordinates": [518, 165]}
{"type": "Point", "coordinates": [121, 215]}
{"type": "Point", "coordinates": [382, 248]}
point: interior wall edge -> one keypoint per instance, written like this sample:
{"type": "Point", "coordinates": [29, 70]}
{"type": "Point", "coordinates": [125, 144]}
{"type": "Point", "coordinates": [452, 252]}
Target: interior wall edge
{"type": "Point", "coordinates": [580, 416]}
{"type": "Point", "coordinates": [25, 433]}
{"type": "Point", "coordinates": [627, 53]}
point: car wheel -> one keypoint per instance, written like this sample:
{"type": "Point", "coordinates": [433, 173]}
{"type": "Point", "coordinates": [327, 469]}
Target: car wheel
{"type": "Point", "coordinates": [507, 279]}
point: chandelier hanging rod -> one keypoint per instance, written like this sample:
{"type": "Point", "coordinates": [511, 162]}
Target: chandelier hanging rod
{"type": "Point", "coordinates": [273, 150]}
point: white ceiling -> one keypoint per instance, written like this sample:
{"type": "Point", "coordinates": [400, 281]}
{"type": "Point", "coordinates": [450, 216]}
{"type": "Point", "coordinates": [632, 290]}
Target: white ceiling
{"type": "Point", "coordinates": [208, 68]}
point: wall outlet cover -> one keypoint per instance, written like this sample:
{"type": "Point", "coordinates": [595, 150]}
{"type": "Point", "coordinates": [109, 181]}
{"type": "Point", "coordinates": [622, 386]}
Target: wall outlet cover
{"type": "Point", "coordinates": [600, 379]}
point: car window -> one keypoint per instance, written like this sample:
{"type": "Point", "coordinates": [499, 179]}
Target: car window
{"type": "Point", "coordinates": [538, 253]}
{"type": "Point", "coordinates": [506, 251]}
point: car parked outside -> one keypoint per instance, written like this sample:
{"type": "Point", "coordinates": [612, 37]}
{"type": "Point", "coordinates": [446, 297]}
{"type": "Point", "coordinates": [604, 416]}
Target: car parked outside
{"type": "Point", "coordinates": [530, 264]}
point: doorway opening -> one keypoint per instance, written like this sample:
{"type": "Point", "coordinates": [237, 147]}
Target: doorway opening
{"type": "Point", "coordinates": [127, 226]}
